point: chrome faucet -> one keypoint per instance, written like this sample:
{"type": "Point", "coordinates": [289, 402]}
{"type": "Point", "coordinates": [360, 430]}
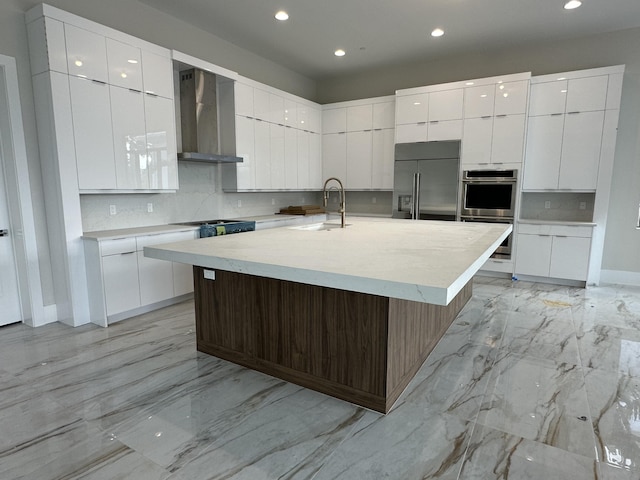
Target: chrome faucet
{"type": "Point", "coordinates": [325, 197]}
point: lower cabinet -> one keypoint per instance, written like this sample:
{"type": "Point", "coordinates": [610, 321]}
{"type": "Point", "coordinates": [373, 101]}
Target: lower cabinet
{"type": "Point", "coordinates": [554, 251]}
{"type": "Point", "coordinates": [123, 282]}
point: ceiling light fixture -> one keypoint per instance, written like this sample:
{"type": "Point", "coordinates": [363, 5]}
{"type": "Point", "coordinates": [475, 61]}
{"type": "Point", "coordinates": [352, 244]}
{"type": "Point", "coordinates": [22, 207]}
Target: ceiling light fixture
{"type": "Point", "coordinates": [571, 4]}
{"type": "Point", "coordinates": [282, 16]}
{"type": "Point", "coordinates": [340, 53]}
{"type": "Point", "coordinates": [438, 32]}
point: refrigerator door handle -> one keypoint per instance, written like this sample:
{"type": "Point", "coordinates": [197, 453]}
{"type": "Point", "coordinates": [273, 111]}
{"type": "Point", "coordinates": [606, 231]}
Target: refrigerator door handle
{"type": "Point", "coordinates": [415, 197]}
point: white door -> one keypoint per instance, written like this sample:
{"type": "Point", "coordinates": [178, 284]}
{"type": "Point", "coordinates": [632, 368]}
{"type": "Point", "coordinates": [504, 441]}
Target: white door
{"type": "Point", "coordinates": [9, 297]}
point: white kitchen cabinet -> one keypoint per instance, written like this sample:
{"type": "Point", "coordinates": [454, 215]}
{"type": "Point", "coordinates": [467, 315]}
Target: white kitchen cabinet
{"type": "Point", "coordinates": [92, 134]}
{"type": "Point", "coordinates": [290, 113]}
{"type": "Point", "coordinates": [411, 132]}
{"type": "Point", "coordinates": [359, 160]}
{"type": "Point", "coordinates": [261, 104]}
{"type": "Point", "coordinates": [245, 148]}
{"type": "Point", "coordinates": [587, 94]}
{"type": "Point", "coordinates": [276, 109]}
{"type": "Point", "coordinates": [553, 250]}
{"type": "Point", "coordinates": [277, 156]}
{"type": "Point", "coordinates": [314, 118]}
{"type": "Point", "coordinates": [156, 279]}
{"type": "Point", "coordinates": [543, 152]}
{"type": "Point", "coordinates": [412, 109]}
{"type": "Point", "coordinates": [86, 54]}
{"type": "Point", "coordinates": [446, 105]}
{"type": "Point", "coordinates": [304, 116]}
{"type": "Point", "coordinates": [581, 142]}
{"type": "Point", "coordinates": [262, 154]}
{"type": "Point", "coordinates": [304, 168]}
{"type": "Point", "coordinates": [315, 160]}
{"type": "Point", "coordinates": [129, 138]}
{"type": "Point", "coordinates": [438, 130]}
{"type": "Point", "coordinates": [125, 65]}
{"type": "Point", "coordinates": [384, 114]}
{"type": "Point", "coordinates": [507, 141]}
{"type": "Point", "coordinates": [161, 142]}
{"type": "Point", "coordinates": [334, 155]}
{"type": "Point", "coordinates": [548, 98]}
{"type": "Point", "coordinates": [157, 74]}
{"type": "Point", "coordinates": [382, 159]}
{"type": "Point", "coordinates": [334, 120]}
{"type": "Point", "coordinates": [479, 101]}
{"type": "Point", "coordinates": [290, 158]}
{"type": "Point", "coordinates": [47, 32]}
{"type": "Point", "coordinates": [359, 118]}
{"type": "Point", "coordinates": [476, 140]}
{"type": "Point", "coordinates": [243, 98]}
{"type": "Point", "coordinates": [120, 275]}
{"type": "Point", "coordinates": [511, 97]}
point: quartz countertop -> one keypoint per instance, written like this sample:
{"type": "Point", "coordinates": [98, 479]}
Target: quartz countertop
{"type": "Point", "coordinates": [424, 261]}
{"type": "Point", "coordinates": [557, 222]}
{"type": "Point", "coordinates": [135, 231]}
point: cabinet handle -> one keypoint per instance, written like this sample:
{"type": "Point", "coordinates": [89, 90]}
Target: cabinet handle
{"type": "Point", "coordinates": [422, 123]}
{"type": "Point", "coordinates": [541, 235]}
{"type": "Point", "coordinates": [501, 116]}
{"type": "Point", "coordinates": [434, 121]}
{"type": "Point", "coordinates": [498, 163]}
{"type": "Point", "coordinates": [556, 114]}
{"type": "Point", "coordinates": [133, 90]}
{"type": "Point", "coordinates": [99, 82]}
{"type": "Point", "coordinates": [486, 116]}
{"type": "Point", "coordinates": [127, 253]}
{"type": "Point", "coordinates": [561, 236]}
{"type": "Point", "coordinates": [483, 163]}
{"type": "Point", "coordinates": [572, 113]}
{"type": "Point", "coordinates": [151, 94]}
{"type": "Point", "coordinates": [638, 224]}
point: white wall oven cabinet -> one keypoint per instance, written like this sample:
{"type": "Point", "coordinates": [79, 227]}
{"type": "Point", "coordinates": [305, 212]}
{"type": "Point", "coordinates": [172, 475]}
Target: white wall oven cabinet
{"type": "Point", "coordinates": [554, 251]}
{"type": "Point", "coordinates": [357, 143]}
{"type": "Point", "coordinates": [123, 282]}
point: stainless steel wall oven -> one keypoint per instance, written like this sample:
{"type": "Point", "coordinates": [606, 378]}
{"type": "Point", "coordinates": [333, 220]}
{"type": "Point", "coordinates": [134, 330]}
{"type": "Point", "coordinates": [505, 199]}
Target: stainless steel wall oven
{"type": "Point", "coordinates": [490, 196]}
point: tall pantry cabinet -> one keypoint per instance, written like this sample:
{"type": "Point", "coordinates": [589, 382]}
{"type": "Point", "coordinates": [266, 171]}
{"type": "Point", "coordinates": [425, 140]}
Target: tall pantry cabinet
{"type": "Point", "coordinates": [106, 123]}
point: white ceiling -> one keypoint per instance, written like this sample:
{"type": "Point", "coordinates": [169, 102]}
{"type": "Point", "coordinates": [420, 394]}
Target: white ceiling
{"type": "Point", "coordinates": [375, 33]}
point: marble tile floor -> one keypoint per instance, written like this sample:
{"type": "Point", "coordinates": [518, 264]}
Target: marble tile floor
{"type": "Point", "coordinates": [532, 381]}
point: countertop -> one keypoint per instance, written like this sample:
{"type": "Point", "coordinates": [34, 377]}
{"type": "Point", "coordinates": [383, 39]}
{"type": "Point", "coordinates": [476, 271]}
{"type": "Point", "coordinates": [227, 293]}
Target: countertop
{"type": "Point", "coordinates": [557, 222]}
{"type": "Point", "coordinates": [424, 261]}
{"type": "Point", "coordinates": [135, 231]}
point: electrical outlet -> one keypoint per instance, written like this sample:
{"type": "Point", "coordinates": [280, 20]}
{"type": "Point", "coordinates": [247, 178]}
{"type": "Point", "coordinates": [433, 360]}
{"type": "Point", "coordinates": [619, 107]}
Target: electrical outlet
{"type": "Point", "coordinates": [547, 204]}
{"type": "Point", "coordinates": [239, 203]}
{"type": "Point", "coordinates": [273, 201]}
{"type": "Point", "coordinates": [112, 210]}
{"type": "Point", "coordinates": [583, 205]}
{"type": "Point", "coordinates": [149, 207]}
{"type": "Point", "coordinates": [373, 199]}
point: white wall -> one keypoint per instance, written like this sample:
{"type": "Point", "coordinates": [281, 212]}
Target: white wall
{"type": "Point", "coordinates": [622, 244]}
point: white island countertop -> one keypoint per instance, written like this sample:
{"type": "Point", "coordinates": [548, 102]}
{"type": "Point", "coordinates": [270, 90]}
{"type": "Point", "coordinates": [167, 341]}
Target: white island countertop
{"type": "Point", "coordinates": [424, 261]}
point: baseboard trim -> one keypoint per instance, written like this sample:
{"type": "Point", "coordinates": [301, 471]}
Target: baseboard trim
{"type": "Point", "coordinates": [620, 277]}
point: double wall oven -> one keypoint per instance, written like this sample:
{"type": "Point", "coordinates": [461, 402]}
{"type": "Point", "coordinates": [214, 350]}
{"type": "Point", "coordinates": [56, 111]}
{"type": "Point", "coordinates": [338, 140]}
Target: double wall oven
{"type": "Point", "coordinates": [490, 196]}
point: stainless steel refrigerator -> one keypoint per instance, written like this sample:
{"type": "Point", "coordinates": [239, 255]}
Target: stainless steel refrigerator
{"type": "Point", "coordinates": [426, 180]}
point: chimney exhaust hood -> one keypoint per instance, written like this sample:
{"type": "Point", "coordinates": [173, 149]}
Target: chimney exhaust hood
{"type": "Point", "coordinates": [199, 118]}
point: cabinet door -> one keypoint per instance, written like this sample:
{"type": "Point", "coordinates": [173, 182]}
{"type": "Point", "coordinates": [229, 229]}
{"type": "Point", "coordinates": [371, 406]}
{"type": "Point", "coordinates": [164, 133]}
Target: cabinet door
{"type": "Point", "coordinates": [161, 142]}
{"type": "Point", "coordinates": [382, 159]}
{"type": "Point", "coordinates": [276, 109]}
{"type": "Point", "coordinates": [384, 114]}
{"type": "Point", "coordinates": [314, 120]}
{"type": "Point", "coordinates": [304, 116]}
{"type": "Point", "coordinates": [409, 133]}
{"type": "Point", "coordinates": [511, 97]}
{"type": "Point", "coordinates": [544, 149]}
{"type": "Point", "coordinates": [412, 108]}
{"type": "Point", "coordinates": [156, 279]}
{"type": "Point", "coordinates": [334, 120]}
{"type": "Point", "coordinates": [446, 105]}
{"type": "Point", "coordinates": [245, 148]}
{"type": "Point", "coordinates": [93, 134]}
{"type": "Point", "coordinates": [277, 156]}
{"type": "Point", "coordinates": [182, 278]}
{"type": "Point", "coordinates": [570, 258]}
{"type": "Point", "coordinates": [290, 113]}
{"type": "Point", "coordinates": [476, 141]}
{"type": "Point", "coordinates": [290, 158]}
{"type": "Point", "coordinates": [359, 118]}
{"type": "Point", "coordinates": [157, 74]}
{"type": "Point", "coordinates": [315, 160]}
{"type": "Point", "coordinates": [261, 105]}
{"type": "Point", "coordinates": [359, 164]}
{"type": "Point", "coordinates": [334, 155]}
{"type": "Point", "coordinates": [304, 170]}
{"type": "Point", "coordinates": [533, 255]}
{"type": "Point", "coordinates": [129, 138]}
{"type": "Point", "coordinates": [124, 62]}
{"type": "Point", "coordinates": [243, 96]}
{"type": "Point", "coordinates": [121, 287]}
{"type": "Point", "coordinates": [548, 98]}
{"type": "Point", "coordinates": [262, 133]}
{"type": "Point", "coordinates": [479, 101]}
{"type": "Point", "coordinates": [507, 143]}
{"type": "Point", "coordinates": [444, 130]}
{"type": "Point", "coordinates": [86, 54]}
{"type": "Point", "coordinates": [581, 144]}
{"type": "Point", "coordinates": [587, 94]}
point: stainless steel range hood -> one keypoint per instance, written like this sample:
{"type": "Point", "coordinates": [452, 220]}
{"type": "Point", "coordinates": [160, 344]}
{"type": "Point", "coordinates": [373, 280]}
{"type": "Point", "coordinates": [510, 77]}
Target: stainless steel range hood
{"type": "Point", "coordinates": [199, 118]}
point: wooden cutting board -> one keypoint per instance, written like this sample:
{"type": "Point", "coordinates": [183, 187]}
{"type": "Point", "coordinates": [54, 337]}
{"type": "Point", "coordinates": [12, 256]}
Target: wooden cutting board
{"type": "Point", "coordinates": [302, 210]}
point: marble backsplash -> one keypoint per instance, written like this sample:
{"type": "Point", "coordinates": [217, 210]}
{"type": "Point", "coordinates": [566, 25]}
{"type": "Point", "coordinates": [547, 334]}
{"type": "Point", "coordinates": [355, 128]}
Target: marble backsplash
{"type": "Point", "coordinates": [563, 206]}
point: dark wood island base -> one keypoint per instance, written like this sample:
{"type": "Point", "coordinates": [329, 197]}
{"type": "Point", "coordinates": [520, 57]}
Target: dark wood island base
{"type": "Point", "coordinates": [354, 346]}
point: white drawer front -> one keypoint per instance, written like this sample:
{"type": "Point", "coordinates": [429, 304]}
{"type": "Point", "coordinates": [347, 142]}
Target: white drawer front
{"type": "Point", "coordinates": [117, 246]}
{"type": "Point", "coordinates": [157, 239]}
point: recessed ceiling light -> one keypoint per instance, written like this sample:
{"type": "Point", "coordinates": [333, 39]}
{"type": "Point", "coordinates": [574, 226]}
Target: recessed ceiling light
{"type": "Point", "coordinates": [282, 16]}
{"type": "Point", "coordinates": [571, 4]}
{"type": "Point", "coordinates": [340, 53]}
{"type": "Point", "coordinates": [438, 32]}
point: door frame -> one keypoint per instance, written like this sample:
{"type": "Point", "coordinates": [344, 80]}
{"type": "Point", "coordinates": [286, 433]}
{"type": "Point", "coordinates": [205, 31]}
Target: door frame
{"type": "Point", "coordinates": [18, 191]}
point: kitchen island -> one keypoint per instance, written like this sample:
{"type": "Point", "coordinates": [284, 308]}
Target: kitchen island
{"type": "Point", "coordinates": [350, 312]}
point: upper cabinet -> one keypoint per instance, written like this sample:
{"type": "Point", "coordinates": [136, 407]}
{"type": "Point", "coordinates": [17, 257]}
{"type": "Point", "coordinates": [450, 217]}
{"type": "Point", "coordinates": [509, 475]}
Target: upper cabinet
{"type": "Point", "coordinates": [120, 99]}
{"type": "Point", "coordinates": [479, 101]}
{"type": "Point", "coordinates": [511, 97]}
